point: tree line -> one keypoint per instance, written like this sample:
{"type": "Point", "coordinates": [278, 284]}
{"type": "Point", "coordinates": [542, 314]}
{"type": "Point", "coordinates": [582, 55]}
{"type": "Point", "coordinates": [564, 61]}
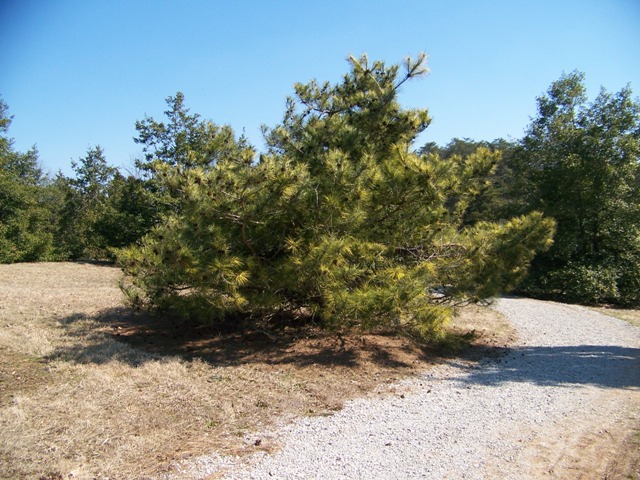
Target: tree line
{"type": "Point", "coordinates": [341, 219]}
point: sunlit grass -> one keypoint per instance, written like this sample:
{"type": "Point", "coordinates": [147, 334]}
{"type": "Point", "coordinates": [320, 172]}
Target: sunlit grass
{"type": "Point", "coordinates": [77, 400]}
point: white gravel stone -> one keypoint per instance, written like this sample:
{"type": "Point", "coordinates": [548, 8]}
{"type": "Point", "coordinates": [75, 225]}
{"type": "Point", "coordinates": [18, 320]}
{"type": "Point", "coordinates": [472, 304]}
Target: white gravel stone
{"type": "Point", "coordinates": [502, 418]}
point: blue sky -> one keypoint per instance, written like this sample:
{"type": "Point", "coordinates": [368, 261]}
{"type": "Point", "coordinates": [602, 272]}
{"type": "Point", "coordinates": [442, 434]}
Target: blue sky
{"type": "Point", "coordinates": [76, 74]}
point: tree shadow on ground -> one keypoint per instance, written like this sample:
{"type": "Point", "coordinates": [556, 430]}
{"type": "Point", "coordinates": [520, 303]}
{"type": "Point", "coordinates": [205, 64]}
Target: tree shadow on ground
{"type": "Point", "coordinates": [137, 337]}
{"type": "Point", "coordinates": [607, 366]}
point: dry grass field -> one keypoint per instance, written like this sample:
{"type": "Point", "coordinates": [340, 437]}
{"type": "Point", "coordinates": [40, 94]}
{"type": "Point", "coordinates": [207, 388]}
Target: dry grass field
{"type": "Point", "coordinates": [628, 315]}
{"type": "Point", "coordinates": [90, 389]}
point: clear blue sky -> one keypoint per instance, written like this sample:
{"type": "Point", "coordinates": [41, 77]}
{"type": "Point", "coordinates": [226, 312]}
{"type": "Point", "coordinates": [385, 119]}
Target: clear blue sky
{"type": "Point", "coordinates": [79, 73]}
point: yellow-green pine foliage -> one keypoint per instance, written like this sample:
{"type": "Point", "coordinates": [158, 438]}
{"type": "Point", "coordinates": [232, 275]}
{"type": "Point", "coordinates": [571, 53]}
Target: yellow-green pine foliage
{"type": "Point", "coordinates": [339, 220]}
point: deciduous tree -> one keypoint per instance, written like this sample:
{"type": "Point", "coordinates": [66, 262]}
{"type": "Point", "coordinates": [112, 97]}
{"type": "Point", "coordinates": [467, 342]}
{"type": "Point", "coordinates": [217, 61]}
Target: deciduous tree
{"type": "Point", "coordinates": [580, 164]}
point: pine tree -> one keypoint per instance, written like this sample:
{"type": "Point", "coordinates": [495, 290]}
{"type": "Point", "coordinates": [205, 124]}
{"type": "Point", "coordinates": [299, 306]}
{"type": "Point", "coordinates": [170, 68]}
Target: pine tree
{"type": "Point", "coordinates": [339, 220]}
{"type": "Point", "coordinates": [86, 200]}
{"type": "Point", "coordinates": [25, 228]}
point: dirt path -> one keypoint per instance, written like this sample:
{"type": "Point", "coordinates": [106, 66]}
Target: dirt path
{"type": "Point", "coordinates": [561, 404]}
{"type": "Point", "coordinates": [596, 360]}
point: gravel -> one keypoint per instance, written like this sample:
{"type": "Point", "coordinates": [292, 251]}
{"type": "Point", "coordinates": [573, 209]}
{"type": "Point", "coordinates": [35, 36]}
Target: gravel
{"type": "Point", "coordinates": [572, 378]}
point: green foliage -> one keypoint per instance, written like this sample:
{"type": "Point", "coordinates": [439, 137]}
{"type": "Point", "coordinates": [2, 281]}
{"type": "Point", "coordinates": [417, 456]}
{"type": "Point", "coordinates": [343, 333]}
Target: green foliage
{"type": "Point", "coordinates": [579, 283]}
{"type": "Point", "coordinates": [495, 198]}
{"type": "Point", "coordinates": [579, 163]}
{"type": "Point", "coordinates": [85, 203]}
{"type": "Point", "coordinates": [25, 232]}
{"type": "Point", "coordinates": [628, 278]}
{"type": "Point", "coordinates": [339, 220]}
{"type": "Point", "coordinates": [130, 211]}
{"type": "Point", "coordinates": [102, 210]}
{"type": "Point", "coordinates": [184, 140]}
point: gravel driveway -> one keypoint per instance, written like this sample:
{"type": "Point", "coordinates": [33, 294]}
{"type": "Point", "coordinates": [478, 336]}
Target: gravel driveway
{"type": "Point", "coordinates": [557, 405]}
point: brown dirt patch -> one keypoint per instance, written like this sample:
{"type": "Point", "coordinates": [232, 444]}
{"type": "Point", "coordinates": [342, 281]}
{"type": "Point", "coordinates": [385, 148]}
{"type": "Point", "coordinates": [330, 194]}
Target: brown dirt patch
{"type": "Point", "coordinates": [20, 373]}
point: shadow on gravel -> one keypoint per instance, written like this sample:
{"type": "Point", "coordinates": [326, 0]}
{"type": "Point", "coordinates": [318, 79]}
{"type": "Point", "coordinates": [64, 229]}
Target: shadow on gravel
{"type": "Point", "coordinates": [598, 365]}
